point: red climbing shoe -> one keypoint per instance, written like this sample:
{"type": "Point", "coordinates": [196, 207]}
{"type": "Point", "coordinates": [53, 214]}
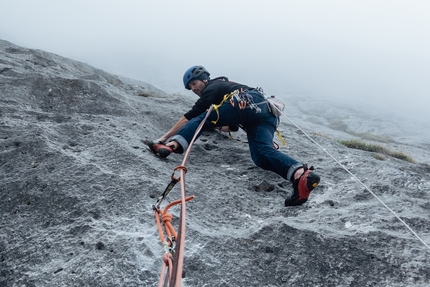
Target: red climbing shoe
{"type": "Point", "coordinates": [303, 187]}
{"type": "Point", "coordinates": [160, 149]}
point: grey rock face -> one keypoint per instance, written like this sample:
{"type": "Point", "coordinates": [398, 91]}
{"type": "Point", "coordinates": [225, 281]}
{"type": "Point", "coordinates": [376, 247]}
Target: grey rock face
{"type": "Point", "coordinates": [77, 185]}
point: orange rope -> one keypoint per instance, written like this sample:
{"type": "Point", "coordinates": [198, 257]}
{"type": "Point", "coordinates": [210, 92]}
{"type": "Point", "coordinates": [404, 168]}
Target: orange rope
{"type": "Point", "coordinates": [175, 265]}
{"type": "Point", "coordinates": [167, 263]}
{"type": "Point", "coordinates": [166, 219]}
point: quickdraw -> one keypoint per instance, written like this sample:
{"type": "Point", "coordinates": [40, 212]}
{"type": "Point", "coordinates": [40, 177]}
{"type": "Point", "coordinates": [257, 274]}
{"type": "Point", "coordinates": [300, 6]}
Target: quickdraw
{"type": "Point", "coordinates": [169, 187]}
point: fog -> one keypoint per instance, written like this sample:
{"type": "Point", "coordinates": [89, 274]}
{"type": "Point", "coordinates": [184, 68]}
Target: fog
{"type": "Point", "coordinates": [373, 52]}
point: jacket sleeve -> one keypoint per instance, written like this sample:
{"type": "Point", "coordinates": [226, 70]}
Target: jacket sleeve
{"type": "Point", "coordinates": [203, 103]}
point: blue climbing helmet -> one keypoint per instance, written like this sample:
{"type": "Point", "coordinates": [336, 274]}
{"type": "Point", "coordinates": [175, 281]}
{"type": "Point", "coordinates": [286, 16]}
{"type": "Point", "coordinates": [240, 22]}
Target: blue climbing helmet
{"type": "Point", "coordinates": [195, 73]}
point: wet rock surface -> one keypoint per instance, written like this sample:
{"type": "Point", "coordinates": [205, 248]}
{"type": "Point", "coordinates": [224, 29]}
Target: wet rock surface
{"type": "Point", "coordinates": [78, 185]}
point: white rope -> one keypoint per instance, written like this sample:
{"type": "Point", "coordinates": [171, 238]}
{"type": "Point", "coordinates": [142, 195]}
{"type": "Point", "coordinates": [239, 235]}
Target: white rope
{"type": "Point", "coordinates": [368, 189]}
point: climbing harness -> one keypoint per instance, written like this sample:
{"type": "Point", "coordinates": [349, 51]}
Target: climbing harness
{"type": "Point", "coordinates": [243, 100]}
{"type": "Point", "coordinates": [359, 181]}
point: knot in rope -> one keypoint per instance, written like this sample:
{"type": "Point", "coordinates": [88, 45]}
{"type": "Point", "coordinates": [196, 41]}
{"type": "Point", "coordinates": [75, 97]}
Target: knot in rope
{"type": "Point", "coordinates": [166, 218]}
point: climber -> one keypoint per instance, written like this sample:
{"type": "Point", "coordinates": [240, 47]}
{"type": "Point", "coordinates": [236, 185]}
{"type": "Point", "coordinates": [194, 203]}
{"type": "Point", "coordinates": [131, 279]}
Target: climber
{"type": "Point", "coordinates": [237, 105]}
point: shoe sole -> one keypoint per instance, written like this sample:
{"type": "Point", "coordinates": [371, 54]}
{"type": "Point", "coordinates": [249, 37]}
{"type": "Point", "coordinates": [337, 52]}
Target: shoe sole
{"type": "Point", "coordinates": [296, 202]}
{"type": "Point", "coordinates": [160, 149]}
{"type": "Point", "coordinates": [163, 152]}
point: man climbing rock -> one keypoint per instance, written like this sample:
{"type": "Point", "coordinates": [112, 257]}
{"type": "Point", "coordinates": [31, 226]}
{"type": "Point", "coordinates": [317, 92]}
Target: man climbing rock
{"type": "Point", "coordinates": [237, 105]}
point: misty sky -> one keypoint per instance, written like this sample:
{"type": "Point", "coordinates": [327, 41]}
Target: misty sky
{"type": "Point", "coordinates": [373, 51]}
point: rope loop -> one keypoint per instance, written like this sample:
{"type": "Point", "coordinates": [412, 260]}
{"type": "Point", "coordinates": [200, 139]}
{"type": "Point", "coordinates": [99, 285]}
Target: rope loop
{"type": "Point", "coordinates": [166, 269]}
{"type": "Point", "coordinates": [177, 168]}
